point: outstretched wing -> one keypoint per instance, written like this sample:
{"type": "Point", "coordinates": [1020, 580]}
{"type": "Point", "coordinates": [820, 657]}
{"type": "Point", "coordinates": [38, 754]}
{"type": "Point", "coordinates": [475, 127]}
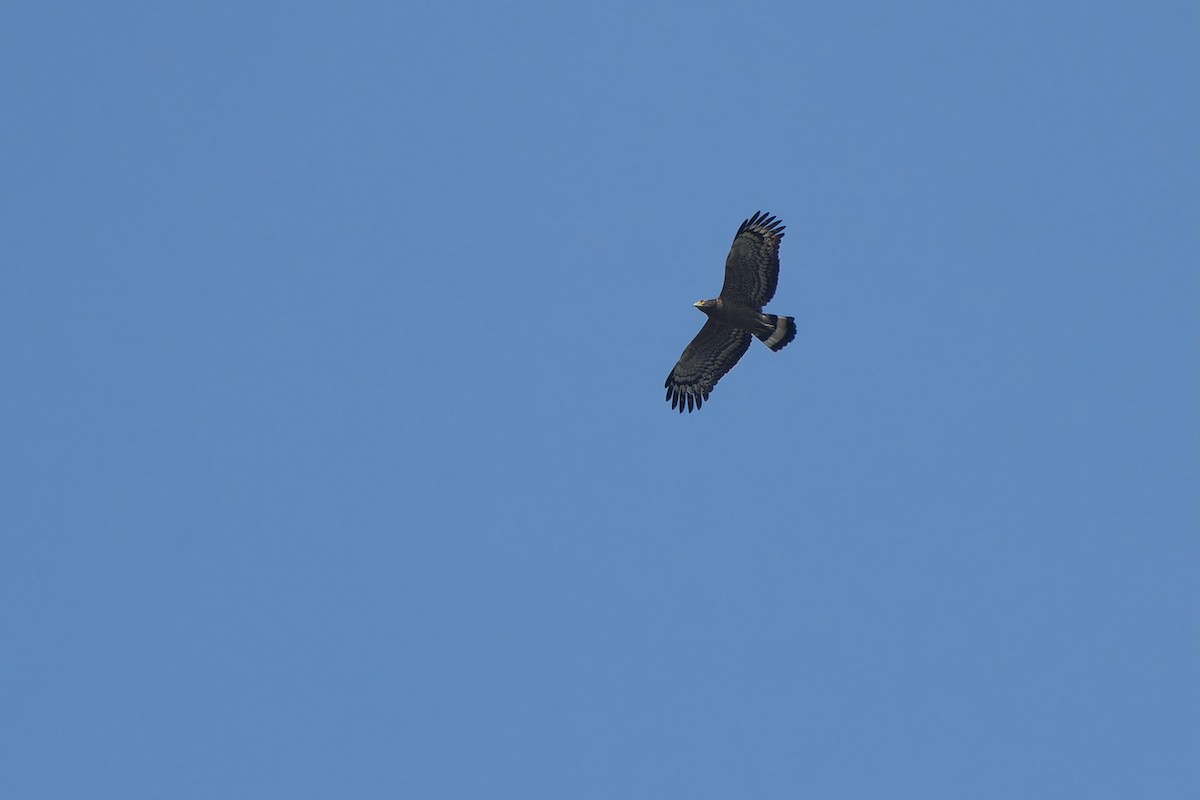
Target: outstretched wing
{"type": "Point", "coordinates": [752, 268]}
{"type": "Point", "coordinates": [711, 354]}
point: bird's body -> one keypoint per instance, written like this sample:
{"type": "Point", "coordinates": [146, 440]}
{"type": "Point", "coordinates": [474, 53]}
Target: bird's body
{"type": "Point", "coordinates": [751, 275]}
{"type": "Point", "coordinates": [772, 330]}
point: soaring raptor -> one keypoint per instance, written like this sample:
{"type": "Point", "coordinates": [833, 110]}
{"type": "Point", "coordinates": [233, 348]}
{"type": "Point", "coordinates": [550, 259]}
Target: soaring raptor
{"type": "Point", "coordinates": [751, 273]}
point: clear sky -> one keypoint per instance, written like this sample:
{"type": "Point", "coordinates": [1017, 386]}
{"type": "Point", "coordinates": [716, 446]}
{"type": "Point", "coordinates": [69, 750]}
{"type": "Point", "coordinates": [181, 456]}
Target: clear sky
{"type": "Point", "coordinates": [335, 461]}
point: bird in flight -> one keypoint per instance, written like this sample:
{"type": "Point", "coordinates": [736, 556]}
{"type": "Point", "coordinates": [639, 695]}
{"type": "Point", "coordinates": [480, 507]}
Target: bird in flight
{"type": "Point", "coordinates": [751, 274]}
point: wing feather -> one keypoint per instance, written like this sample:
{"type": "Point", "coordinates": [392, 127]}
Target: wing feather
{"type": "Point", "coordinates": [752, 267]}
{"type": "Point", "coordinates": [710, 355]}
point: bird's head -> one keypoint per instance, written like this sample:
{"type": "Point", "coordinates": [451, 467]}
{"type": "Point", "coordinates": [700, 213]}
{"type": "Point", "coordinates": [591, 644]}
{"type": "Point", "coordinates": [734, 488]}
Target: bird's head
{"type": "Point", "coordinates": [707, 305]}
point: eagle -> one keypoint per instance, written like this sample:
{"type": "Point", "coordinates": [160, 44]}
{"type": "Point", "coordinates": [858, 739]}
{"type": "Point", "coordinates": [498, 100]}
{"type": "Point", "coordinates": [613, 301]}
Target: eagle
{"type": "Point", "coordinates": [751, 274]}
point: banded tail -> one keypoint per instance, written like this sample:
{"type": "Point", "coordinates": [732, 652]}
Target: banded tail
{"type": "Point", "coordinates": [777, 331]}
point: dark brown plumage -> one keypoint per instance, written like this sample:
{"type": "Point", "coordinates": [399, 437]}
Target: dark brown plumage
{"type": "Point", "coordinates": [751, 275]}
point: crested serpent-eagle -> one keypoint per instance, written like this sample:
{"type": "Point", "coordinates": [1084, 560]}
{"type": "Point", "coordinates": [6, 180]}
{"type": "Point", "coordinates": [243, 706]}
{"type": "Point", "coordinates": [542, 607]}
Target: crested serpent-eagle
{"type": "Point", "coordinates": [751, 274]}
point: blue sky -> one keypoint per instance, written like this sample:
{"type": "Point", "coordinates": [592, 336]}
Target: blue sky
{"type": "Point", "coordinates": [336, 462]}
